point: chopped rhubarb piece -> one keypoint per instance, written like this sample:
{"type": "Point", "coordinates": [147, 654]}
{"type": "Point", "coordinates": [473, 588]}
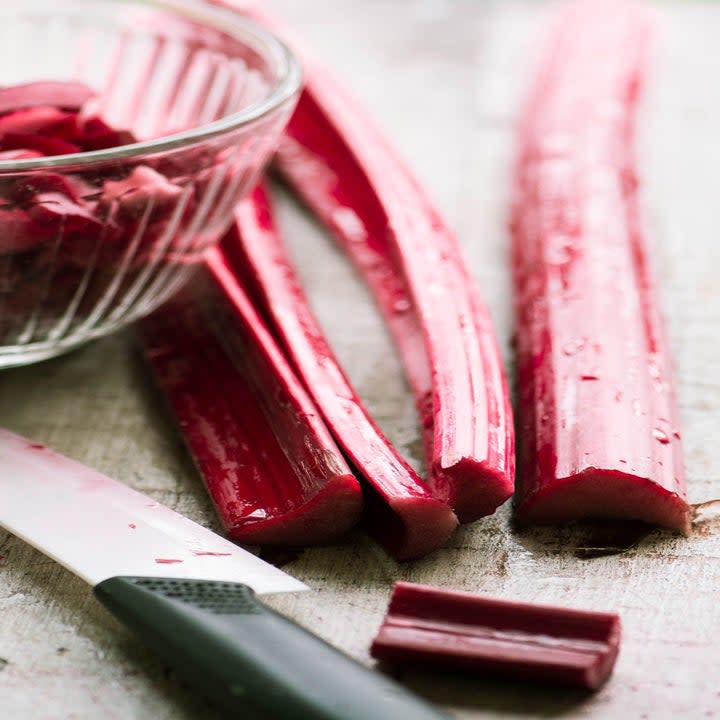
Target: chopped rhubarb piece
{"type": "Point", "coordinates": [21, 154]}
{"type": "Point", "coordinates": [44, 144]}
{"type": "Point", "coordinates": [401, 512]}
{"type": "Point", "coordinates": [141, 187]}
{"type": "Point", "coordinates": [66, 215]}
{"type": "Point", "coordinates": [66, 95]}
{"type": "Point", "coordinates": [95, 134]}
{"type": "Point", "coordinates": [598, 417]}
{"type": "Point", "coordinates": [427, 627]}
{"type": "Point", "coordinates": [376, 208]}
{"type": "Point", "coordinates": [18, 234]}
{"type": "Point", "coordinates": [269, 464]}
{"type": "Point", "coordinates": [24, 191]}
{"type": "Point", "coordinates": [39, 210]}
{"type": "Point", "coordinates": [35, 121]}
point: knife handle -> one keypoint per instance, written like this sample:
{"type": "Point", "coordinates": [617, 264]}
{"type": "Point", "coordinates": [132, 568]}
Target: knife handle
{"type": "Point", "coordinates": [250, 659]}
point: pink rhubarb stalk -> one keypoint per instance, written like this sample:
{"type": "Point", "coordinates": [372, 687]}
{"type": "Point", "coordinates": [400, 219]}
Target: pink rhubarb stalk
{"type": "Point", "coordinates": [269, 464]}
{"type": "Point", "coordinates": [59, 94]}
{"type": "Point", "coordinates": [400, 511]}
{"type": "Point", "coordinates": [354, 181]}
{"type": "Point", "coordinates": [375, 208]}
{"type": "Point", "coordinates": [598, 419]}
{"type": "Point", "coordinates": [429, 627]}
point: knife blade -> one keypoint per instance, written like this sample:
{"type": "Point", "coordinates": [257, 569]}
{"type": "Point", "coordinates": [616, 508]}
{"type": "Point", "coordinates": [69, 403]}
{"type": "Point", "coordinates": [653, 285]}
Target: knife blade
{"type": "Point", "coordinates": [189, 594]}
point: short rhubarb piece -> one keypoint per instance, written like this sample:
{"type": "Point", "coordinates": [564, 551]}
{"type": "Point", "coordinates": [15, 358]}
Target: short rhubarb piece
{"type": "Point", "coordinates": [400, 511]}
{"type": "Point", "coordinates": [270, 466]}
{"type": "Point", "coordinates": [432, 628]}
{"type": "Point", "coordinates": [598, 421]}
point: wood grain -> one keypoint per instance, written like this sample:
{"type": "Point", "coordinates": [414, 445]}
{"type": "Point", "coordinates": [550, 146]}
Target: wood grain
{"type": "Point", "coordinates": [443, 77]}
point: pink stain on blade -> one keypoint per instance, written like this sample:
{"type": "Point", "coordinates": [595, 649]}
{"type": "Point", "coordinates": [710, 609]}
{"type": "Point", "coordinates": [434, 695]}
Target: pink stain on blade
{"type": "Point", "coordinates": [201, 553]}
{"type": "Point", "coordinates": [167, 561]}
{"type": "Point", "coordinates": [132, 525]}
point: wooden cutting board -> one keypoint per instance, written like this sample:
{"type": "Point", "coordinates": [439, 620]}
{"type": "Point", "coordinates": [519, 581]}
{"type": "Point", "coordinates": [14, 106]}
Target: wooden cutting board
{"type": "Point", "coordinates": [444, 78]}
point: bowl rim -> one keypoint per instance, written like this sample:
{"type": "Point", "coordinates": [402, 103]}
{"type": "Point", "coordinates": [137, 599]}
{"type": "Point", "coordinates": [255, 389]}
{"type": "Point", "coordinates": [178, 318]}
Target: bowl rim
{"type": "Point", "coordinates": [286, 87]}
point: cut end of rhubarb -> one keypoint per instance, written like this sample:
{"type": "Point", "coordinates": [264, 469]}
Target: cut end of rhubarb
{"type": "Point", "coordinates": [272, 471]}
{"type": "Point", "coordinates": [601, 494]}
{"type": "Point", "coordinates": [332, 512]}
{"type": "Point", "coordinates": [410, 527]}
{"type": "Point", "coordinates": [476, 489]}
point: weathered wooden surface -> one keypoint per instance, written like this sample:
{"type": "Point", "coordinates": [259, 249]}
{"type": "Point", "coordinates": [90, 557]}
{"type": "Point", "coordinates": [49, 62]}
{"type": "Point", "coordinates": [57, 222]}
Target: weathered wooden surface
{"type": "Point", "coordinates": [443, 76]}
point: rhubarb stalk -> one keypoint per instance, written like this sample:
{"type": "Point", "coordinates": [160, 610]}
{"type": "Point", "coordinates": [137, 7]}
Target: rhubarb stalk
{"type": "Point", "coordinates": [429, 627]}
{"type": "Point", "coordinates": [268, 462]}
{"type": "Point", "coordinates": [598, 418]}
{"type": "Point", "coordinates": [343, 168]}
{"type": "Point", "coordinates": [400, 512]}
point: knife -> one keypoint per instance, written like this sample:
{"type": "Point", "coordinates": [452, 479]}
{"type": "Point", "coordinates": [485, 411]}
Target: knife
{"type": "Point", "coordinates": [189, 594]}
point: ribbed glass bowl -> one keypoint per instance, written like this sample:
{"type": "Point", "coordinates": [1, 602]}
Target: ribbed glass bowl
{"type": "Point", "coordinates": [206, 93]}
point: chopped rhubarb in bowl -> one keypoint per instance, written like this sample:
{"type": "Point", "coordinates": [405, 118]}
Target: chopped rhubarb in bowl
{"type": "Point", "coordinates": [124, 147]}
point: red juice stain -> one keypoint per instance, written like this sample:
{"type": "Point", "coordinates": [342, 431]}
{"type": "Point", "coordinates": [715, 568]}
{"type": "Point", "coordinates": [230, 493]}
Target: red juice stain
{"type": "Point", "coordinates": [211, 554]}
{"type": "Point", "coordinates": [167, 561]}
{"type": "Point", "coordinates": [132, 525]}
{"type": "Point", "coordinates": [36, 446]}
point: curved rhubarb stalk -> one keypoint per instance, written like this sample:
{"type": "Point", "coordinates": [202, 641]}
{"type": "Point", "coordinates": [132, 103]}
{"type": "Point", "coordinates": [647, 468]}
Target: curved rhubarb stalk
{"type": "Point", "coordinates": [401, 512]}
{"type": "Point", "coordinates": [598, 418]}
{"type": "Point", "coordinates": [346, 172]}
{"type": "Point", "coordinates": [269, 464]}
{"type": "Point", "coordinates": [374, 203]}
{"type": "Point", "coordinates": [353, 217]}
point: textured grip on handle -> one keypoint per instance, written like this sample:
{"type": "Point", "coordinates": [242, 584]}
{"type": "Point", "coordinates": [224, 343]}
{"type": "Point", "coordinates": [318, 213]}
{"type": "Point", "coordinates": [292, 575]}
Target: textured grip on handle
{"type": "Point", "coordinates": [248, 658]}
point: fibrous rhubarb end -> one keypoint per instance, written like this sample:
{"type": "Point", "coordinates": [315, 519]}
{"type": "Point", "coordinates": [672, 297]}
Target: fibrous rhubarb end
{"type": "Point", "coordinates": [267, 466]}
{"type": "Point", "coordinates": [477, 490]}
{"type": "Point", "coordinates": [594, 494]}
{"type": "Point", "coordinates": [408, 527]}
{"type": "Point", "coordinates": [428, 627]}
{"type": "Point", "coordinates": [333, 511]}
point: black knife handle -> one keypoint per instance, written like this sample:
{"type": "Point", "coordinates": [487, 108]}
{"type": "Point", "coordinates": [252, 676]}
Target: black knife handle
{"type": "Point", "coordinates": [250, 659]}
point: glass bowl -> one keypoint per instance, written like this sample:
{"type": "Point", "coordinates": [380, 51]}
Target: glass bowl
{"type": "Point", "coordinates": [91, 241]}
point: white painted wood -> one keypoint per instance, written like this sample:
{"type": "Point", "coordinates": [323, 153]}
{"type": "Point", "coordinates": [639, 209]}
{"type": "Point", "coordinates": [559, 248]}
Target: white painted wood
{"type": "Point", "coordinates": [443, 77]}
